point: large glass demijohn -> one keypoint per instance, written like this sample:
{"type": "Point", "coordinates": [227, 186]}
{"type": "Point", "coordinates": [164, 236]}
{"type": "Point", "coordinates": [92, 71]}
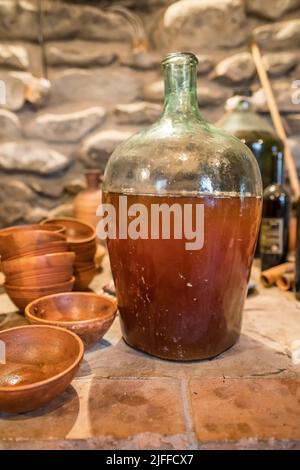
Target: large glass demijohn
{"type": "Point", "coordinates": [177, 300]}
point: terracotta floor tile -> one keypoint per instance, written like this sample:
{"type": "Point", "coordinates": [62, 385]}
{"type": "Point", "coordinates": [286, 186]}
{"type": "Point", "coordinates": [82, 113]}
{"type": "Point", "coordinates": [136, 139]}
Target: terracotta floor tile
{"type": "Point", "coordinates": [123, 408]}
{"type": "Point", "coordinates": [52, 421]}
{"type": "Point", "coordinates": [234, 409]}
{"type": "Point", "coordinates": [122, 361]}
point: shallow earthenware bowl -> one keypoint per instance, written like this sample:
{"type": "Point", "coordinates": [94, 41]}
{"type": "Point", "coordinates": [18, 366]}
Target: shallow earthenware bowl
{"type": "Point", "coordinates": [85, 247]}
{"type": "Point", "coordinates": [87, 314]}
{"type": "Point", "coordinates": [22, 296]}
{"type": "Point", "coordinates": [21, 228]}
{"type": "Point", "coordinates": [82, 266]}
{"type": "Point", "coordinates": [84, 255]}
{"type": "Point", "coordinates": [38, 280]}
{"type": "Point", "coordinates": [34, 278]}
{"type": "Point", "coordinates": [41, 361]}
{"type": "Point", "coordinates": [49, 263]}
{"type": "Point", "coordinates": [55, 247]}
{"type": "Point", "coordinates": [30, 243]}
{"type": "Point", "coordinates": [84, 275]}
{"type": "Point", "coordinates": [76, 231]}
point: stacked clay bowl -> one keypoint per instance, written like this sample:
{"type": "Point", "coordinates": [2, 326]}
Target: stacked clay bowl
{"type": "Point", "coordinates": [35, 262]}
{"type": "Point", "coordinates": [22, 228]}
{"type": "Point", "coordinates": [81, 238]}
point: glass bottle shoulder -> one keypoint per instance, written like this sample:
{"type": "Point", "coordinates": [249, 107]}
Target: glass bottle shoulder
{"type": "Point", "coordinates": [276, 191]}
{"type": "Point", "coordinates": [183, 156]}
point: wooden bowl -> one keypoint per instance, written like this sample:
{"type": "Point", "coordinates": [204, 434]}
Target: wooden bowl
{"type": "Point", "coordinates": [22, 296]}
{"type": "Point", "coordinates": [76, 231]}
{"type": "Point", "coordinates": [87, 314]}
{"type": "Point", "coordinates": [43, 264]}
{"type": "Point", "coordinates": [41, 361]}
{"type": "Point", "coordinates": [21, 228]}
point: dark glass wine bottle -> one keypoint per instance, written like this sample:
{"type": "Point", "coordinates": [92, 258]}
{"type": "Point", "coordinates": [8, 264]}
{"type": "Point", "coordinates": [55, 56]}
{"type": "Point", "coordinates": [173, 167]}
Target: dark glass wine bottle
{"type": "Point", "coordinates": [297, 278]}
{"type": "Point", "coordinates": [274, 235]}
{"type": "Point", "coordinates": [255, 131]}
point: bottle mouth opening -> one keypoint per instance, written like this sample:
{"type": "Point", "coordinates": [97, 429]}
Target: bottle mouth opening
{"type": "Point", "coordinates": [180, 58]}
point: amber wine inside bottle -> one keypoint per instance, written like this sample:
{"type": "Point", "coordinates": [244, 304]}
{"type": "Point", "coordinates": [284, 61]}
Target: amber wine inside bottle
{"type": "Point", "coordinates": [186, 304]}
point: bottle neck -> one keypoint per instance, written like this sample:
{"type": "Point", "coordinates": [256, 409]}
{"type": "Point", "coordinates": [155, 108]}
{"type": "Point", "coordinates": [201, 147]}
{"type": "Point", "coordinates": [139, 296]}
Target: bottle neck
{"type": "Point", "coordinates": [279, 168]}
{"type": "Point", "coordinates": [180, 89]}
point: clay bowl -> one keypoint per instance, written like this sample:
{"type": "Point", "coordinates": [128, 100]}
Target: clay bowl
{"type": "Point", "coordinates": [87, 314]}
{"type": "Point", "coordinates": [41, 361]}
{"type": "Point", "coordinates": [85, 246]}
{"type": "Point", "coordinates": [39, 280]}
{"type": "Point", "coordinates": [82, 266]}
{"type": "Point", "coordinates": [55, 247]}
{"type": "Point", "coordinates": [52, 275]}
{"type": "Point", "coordinates": [85, 254]}
{"type": "Point", "coordinates": [27, 291]}
{"type": "Point", "coordinates": [21, 228]}
{"type": "Point", "coordinates": [55, 273]}
{"type": "Point", "coordinates": [84, 276]}
{"type": "Point", "coordinates": [49, 263]}
{"type": "Point", "coordinates": [31, 242]}
{"type": "Point", "coordinates": [86, 251]}
{"type": "Point", "coordinates": [76, 231]}
{"type": "Point", "coordinates": [22, 296]}
{"type": "Point", "coordinates": [37, 237]}
{"type": "Point", "coordinates": [84, 259]}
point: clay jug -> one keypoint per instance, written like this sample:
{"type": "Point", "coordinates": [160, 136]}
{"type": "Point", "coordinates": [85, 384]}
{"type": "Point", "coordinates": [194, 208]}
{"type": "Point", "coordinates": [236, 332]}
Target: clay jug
{"type": "Point", "coordinates": [87, 202]}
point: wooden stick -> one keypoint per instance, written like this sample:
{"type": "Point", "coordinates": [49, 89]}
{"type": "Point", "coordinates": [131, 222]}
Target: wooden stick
{"type": "Point", "coordinates": [277, 121]}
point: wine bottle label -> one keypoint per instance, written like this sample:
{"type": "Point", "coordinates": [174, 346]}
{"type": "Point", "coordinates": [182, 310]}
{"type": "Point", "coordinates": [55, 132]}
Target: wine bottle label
{"type": "Point", "coordinates": [271, 236]}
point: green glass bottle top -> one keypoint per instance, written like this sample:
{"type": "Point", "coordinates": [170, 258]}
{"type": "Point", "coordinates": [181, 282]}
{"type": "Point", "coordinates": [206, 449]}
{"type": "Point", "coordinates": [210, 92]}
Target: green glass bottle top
{"type": "Point", "coordinates": [182, 151]}
{"type": "Point", "coordinates": [180, 78]}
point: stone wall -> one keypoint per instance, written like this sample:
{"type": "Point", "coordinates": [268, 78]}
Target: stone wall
{"type": "Point", "coordinates": [77, 78]}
